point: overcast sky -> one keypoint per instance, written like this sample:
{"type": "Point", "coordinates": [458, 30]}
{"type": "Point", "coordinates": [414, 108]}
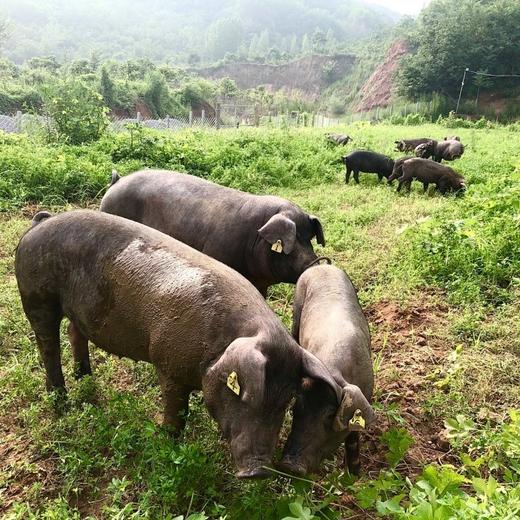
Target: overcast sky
{"type": "Point", "coordinates": [403, 6]}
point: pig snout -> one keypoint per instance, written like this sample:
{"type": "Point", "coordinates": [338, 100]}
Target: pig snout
{"type": "Point", "coordinates": [252, 458]}
{"type": "Point", "coordinates": [255, 472]}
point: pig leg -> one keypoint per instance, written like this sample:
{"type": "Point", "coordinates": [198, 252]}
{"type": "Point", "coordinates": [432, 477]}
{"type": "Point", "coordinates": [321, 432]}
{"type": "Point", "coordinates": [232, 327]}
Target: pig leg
{"type": "Point", "coordinates": [356, 176]}
{"type": "Point", "coordinates": [425, 186]}
{"type": "Point", "coordinates": [442, 185]}
{"type": "Point", "coordinates": [175, 401]}
{"type": "Point", "coordinates": [379, 177]}
{"type": "Point", "coordinates": [46, 325]}
{"type": "Point", "coordinates": [352, 453]}
{"type": "Point", "coordinates": [79, 344]}
{"type": "Point", "coordinates": [348, 171]}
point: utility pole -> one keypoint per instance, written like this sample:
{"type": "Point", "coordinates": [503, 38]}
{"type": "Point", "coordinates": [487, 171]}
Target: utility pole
{"type": "Point", "coordinates": [461, 87]}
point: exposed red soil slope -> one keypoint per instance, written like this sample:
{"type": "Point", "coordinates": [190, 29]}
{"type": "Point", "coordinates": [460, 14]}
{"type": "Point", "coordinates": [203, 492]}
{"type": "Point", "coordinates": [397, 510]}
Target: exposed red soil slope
{"type": "Point", "coordinates": [377, 91]}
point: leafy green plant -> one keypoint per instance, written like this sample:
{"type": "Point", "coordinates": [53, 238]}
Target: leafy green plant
{"type": "Point", "coordinates": [299, 511]}
{"type": "Point", "coordinates": [398, 441]}
{"type": "Point", "coordinates": [77, 111]}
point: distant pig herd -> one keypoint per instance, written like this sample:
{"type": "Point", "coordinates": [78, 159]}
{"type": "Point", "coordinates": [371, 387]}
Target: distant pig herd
{"type": "Point", "coordinates": [173, 271]}
{"type": "Point", "coordinates": [409, 168]}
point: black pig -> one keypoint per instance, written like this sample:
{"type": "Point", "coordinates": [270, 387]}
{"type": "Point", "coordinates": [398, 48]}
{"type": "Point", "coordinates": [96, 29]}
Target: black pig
{"type": "Point", "coordinates": [368, 162]}
{"type": "Point", "coordinates": [329, 323]}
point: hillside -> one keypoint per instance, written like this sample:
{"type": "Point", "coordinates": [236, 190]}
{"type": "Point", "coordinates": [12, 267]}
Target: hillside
{"type": "Point", "coordinates": [378, 90]}
{"type": "Point", "coordinates": [185, 31]}
{"type": "Point", "coordinates": [308, 75]}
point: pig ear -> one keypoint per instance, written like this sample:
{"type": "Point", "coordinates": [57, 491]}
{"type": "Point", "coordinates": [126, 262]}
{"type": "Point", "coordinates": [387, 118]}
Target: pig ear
{"type": "Point", "coordinates": [318, 230]}
{"type": "Point", "coordinates": [354, 411]}
{"type": "Point", "coordinates": [312, 367]}
{"type": "Point", "coordinates": [242, 370]}
{"type": "Point", "coordinates": [279, 230]}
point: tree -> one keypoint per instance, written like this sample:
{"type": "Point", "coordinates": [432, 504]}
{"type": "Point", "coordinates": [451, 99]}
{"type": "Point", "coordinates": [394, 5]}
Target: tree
{"type": "Point", "coordinates": [331, 41]}
{"type": "Point", "coordinates": [95, 59]}
{"type": "Point", "coordinates": [8, 70]}
{"type": "Point", "coordinates": [80, 67]}
{"type": "Point", "coordinates": [195, 91]}
{"type": "Point", "coordinates": [294, 49]}
{"type": "Point", "coordinates": [224, 35]}
{"type": "Point", "coordinates": [4, 31]}
{"type": "Point", "coordinates": [450, 36]}
{"type": "Point", "coordinates": [318, 40]}
{"type": "Point", "coordinates": [193, 59]}
{"type": "Point", "coordinates": [263, 43]}
{"type": "Point", "coordinates": [138, 69]}
{"type": "Point", "coordinates": [157, 95]}
{"type": "Point", "coordinates": [227, 88]}
{"type": "Point", "coordinates": [481, 81]}
{"type": "Point", "coordinates": [107, 88]}
{"type": "Point", "coordinates": [47, 63]}
{"type": "Point", "coordinates": [274, 55]}
{"type": "Point", "coordinates": [306, 44]}
{"type": "Point", "coordinates": [253, 47]}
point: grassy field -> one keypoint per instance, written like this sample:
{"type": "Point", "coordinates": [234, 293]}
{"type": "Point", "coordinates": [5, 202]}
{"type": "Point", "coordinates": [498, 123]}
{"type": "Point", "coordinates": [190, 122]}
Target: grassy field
{"type": "Point", "coordinates": [438, 278]}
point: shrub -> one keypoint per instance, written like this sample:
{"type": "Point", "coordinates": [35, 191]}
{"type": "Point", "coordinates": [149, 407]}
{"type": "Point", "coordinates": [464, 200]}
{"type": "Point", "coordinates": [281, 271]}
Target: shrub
{"type": "Point", "coordinates": [452, 121]}
{"type": "Point", "coordinates": [77, 111]}
{"type": "Point", "coordinates": [408, 120]}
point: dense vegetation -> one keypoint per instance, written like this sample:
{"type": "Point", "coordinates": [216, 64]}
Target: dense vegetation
{"type": "Point", "coordinates": [122, 85]}
{"type": "Point", "coordinates": [187, 32]}
{"type": "Point", "coordinates": [437, 276]}
{"type": "Point", "coordinates": [41, 85]}
{"type": "Point", "coordinates": [449, 36]}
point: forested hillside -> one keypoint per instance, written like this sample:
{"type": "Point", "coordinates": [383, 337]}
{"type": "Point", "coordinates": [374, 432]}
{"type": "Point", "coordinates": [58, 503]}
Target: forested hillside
{"type": "Point", "coordinates": [450, 36]}
{"type": "Point", "coordinates": [187, 31]}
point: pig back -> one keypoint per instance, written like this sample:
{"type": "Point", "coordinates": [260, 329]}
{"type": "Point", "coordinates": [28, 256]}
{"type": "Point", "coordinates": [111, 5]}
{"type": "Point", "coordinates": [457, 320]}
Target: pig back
{"type": "Point", "coordinates": [332, 325]}
{"type": "Point", "coordinates": [129, 288]}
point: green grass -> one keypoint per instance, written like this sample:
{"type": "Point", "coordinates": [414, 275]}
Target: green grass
{"type": "Point", "coordinates": [437, 276]}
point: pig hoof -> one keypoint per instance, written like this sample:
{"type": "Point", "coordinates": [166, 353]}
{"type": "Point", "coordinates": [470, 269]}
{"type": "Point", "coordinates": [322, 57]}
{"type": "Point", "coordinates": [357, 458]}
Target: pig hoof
{"type": "Point", "coordinates": [293, 468]}
{"type": "Point", "coordinates": [256, 473]}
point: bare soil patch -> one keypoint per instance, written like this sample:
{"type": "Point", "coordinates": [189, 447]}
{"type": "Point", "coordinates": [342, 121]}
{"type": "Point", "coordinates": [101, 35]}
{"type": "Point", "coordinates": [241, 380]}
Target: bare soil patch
{"type": "Point", "coordinates": [21, 467]}
{"type": "Point", "coordinates": [411, 343]}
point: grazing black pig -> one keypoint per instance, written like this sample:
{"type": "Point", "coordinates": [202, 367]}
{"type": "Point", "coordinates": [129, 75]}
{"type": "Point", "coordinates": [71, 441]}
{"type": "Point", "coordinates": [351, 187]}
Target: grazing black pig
{"type": "Point", "coordinates": [407, 145]}
{"type": "Point", "coordinates": [340, 139]}
{"type": "Point", "coordinates": [138, 293]}
{"type": "Point", "coordinates": [449, 150]}
{"type": "Point", "coordinates": [398, 168]}
{"type": "Point", "coordinates": [427, 172]}
{"type": "Point", "coordinates": [265, 238]}
{"type": "Point", "coordinates": [368, 162]}
{"type": "Point", "coordinates": [329, 323]}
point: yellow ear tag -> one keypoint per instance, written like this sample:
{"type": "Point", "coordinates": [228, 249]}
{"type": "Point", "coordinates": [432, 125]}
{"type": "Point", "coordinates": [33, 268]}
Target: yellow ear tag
{"type": "Point", "coordinates": [357, 422]}
{"type": "Point", "coordinates": [232, 383]}
{"type": "Point", "coordinates": [277, 247]}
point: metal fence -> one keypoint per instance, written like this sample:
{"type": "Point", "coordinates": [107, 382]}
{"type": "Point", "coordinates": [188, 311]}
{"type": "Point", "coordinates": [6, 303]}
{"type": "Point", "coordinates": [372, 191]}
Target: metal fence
{"type": "Point", "coordinates": [25, 123]}
{"type": "Point", "coordinates": [119, 124]}
{"type": "Point", "coordinates": [233, 118]}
